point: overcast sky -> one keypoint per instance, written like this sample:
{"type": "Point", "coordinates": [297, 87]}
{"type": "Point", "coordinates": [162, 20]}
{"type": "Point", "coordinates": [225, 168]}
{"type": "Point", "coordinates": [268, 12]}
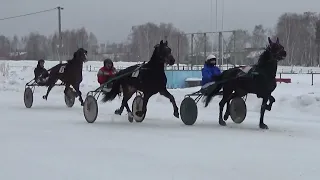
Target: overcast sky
{"type": "Point", "coordinates": [112, 19]}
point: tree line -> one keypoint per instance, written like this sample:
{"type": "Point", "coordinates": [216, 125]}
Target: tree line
{"type": "Point", "coordinates": [299, 33]}
{"type": "Point", "coordinates": [37, 46]}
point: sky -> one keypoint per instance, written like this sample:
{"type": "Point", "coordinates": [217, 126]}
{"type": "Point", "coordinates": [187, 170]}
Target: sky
{"type": "Point", "coordinates": [111, 20]}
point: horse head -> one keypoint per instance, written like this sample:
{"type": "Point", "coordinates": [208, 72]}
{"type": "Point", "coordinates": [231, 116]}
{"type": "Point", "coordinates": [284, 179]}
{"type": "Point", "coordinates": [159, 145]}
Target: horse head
{"type": "Point", "coordinates": [273, 53]}
{"type": "Point", "coordinates": [80, 55]}
{"type": "Point", "coordinates": [162, 53]}
{"type": "Point", "coordinates": [276, 50]}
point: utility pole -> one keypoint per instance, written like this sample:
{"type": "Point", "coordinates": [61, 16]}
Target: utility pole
{"type": "Point", "coordinates": [60, 37]}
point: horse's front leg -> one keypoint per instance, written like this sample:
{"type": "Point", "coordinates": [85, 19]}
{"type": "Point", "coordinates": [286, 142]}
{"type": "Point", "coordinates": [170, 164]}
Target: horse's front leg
{"type": "Point", "coordinates": [262, 125]}
{"type": "Point", "coordinates": [76, 87]}
{"type": "Point", "coordinates": [271, 101]}
{"type": "Point", "coordinates": [146, 98]}
{"type": "Point", "coordinates": [166, 94]}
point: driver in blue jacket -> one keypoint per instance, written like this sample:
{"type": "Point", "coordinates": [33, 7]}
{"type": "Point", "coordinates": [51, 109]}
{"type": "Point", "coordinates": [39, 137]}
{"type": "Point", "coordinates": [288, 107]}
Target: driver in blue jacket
{"type": "Point", "coordinates": [210, 70]}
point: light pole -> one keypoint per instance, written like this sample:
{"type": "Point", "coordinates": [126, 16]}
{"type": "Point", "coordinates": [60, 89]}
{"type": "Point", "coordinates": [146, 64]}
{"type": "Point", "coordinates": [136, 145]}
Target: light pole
{"type": "Point", "coordinates": [59, 32]}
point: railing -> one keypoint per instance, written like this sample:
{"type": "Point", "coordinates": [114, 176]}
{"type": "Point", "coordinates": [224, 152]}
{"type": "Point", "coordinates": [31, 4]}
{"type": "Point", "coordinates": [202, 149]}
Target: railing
{"type": "Point", "coordinates": [305, 75]}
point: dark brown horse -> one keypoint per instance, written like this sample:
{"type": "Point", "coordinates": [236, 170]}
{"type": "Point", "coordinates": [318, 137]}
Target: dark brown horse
{"type": "Point", "coordinates": [69, 73]}
{"type": "Point", "coordinates": [260, 80]}
{"type": "Point", "coordinates": [148, 78]}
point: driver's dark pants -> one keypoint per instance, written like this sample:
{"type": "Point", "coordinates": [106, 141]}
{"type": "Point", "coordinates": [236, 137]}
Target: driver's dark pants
{"type": "Point", "coordinates": [42, 81]}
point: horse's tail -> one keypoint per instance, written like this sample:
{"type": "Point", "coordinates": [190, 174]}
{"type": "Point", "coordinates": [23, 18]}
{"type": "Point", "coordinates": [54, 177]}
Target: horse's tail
{"type": "Point", "coordinates": [109, 96]}
{"type": "Point", "coordinates": [214, 91]}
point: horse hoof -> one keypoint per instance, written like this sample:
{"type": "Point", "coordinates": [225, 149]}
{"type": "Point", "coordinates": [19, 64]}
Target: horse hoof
{"type": "Point", "coordinates": [176, 114]}
{"type": "Point", "coordinates": [263, 126]}
{"type": "Point", "coordinates": [117, 112]}
{"type": "Point", "coordinates": [226, 116]}
{"type": "Point", "coordinates": [268, 108]}
{"type": "Point", "coordinates": [130, 117]}
{"type": "Point", "coordinates": [222, 123]}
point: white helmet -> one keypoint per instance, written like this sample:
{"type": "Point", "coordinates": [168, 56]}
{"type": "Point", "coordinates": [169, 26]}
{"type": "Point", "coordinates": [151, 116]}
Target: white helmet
{"type": "Point", "coordinates": [211, 56]}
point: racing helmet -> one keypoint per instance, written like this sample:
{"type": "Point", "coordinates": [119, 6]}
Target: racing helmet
{"type": "Point", "coordinates": [211, 59]}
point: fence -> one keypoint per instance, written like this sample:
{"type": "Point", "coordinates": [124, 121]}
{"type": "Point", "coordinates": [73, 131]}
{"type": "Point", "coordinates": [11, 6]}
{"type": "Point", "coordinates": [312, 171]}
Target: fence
{"type": "Point", "coordinates": [200, 45]}
{"type": "Point", "coordinates": [176, 78]}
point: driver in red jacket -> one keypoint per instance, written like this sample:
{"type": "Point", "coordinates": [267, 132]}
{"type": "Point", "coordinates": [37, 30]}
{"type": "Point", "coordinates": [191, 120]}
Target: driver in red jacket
{"type": "Point", "coordinates": [106, 72]}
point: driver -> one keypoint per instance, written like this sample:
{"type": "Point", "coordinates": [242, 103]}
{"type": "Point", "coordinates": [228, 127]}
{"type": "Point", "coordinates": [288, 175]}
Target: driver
{"type": "Point", "coordinates": [41, 75]}
{"type": "Point", "coordinates": [105, 73]}
{"type": "Point", "coordinates": [210, 70]}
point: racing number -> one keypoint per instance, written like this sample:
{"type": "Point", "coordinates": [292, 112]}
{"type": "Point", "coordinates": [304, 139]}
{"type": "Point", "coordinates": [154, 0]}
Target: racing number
{"type": "Point", "coordinates": [61, 70]}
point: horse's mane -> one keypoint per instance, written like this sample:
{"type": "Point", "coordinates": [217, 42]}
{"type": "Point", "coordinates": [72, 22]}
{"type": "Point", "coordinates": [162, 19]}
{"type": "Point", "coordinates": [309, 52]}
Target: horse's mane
{"type": "Point", "coordinates": [154, 53]}
{"type": "Point", "coordinates": [73, 59]}
{"type": "Point", "coordinates": [264, 56]}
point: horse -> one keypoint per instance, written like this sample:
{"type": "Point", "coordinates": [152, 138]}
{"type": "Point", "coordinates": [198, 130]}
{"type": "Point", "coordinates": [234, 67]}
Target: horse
{"type": "Point", "coordinates": [148, 78]}
{"type": "Point", "coordinates": [259, 79]}
{"type": "Point", "coordinates": [69, 73]}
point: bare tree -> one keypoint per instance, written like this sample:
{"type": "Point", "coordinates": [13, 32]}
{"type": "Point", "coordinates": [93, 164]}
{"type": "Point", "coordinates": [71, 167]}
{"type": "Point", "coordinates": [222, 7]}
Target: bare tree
{"type": "Point", "coordinates": [144, 37]}
{"type": "Point", "coordinates": [259, 38]}
{"type": "Point", "coordinates": [297, 33]}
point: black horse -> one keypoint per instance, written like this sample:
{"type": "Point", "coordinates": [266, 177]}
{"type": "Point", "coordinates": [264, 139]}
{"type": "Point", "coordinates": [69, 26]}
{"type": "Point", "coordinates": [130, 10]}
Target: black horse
{"type": "Point", "coordinates": [69, 73]}
{"type": "Point", "coordinates": [148, 78]}
{"type": "Point", "coordinates": [260, 79]}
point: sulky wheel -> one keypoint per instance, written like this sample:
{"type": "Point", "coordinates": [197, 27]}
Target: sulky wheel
{"type": "Point", "coordinates": [188, 111]}
{"type": "Point", "coordinates": [69, 98]}
{"type": "Point", "coordinates": [137, 106]}
{"type": "Point", "coordinates": [28, 97]}
{"type": "Point", "coordinates": [90, 109]}
{"type": "Point", "coordinates": [238, 110]}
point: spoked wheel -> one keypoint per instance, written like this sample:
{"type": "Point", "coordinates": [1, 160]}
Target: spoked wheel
{"type": "Point", "coordinates": [238, 110]}
{"type": "Point", "coordinates": [90, 109]}
{"type": "Point", "coordinates": [137, 106]}
{"type": "Point", "coordinates": [188, 111]}
{"type": "Point", "coordinates": [28, 97]}
{"type": "Point", "coordinates": [69, 98]}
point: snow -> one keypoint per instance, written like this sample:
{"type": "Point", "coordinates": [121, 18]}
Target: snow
{"type": "Point", "coordinates": [50, 141]}
{"type": "Point", "coordinates": [193, 79]}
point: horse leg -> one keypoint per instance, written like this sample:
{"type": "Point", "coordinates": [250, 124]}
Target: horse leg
{"type": "Point", "coordinates": [77, 89]}
{"type": "Point", "coordinates": [51, 82]}
{"type": "Point", "coordinates": [262, 111]}
{"type": "Point", "coordinates": [67, 86]}
{"type": "Point", "coordinates": [146, 98]}
{"type": "Point", "coordinates": [221, 106]}
{"type": "Point", "coordinates": [227, 113]}
{"type": "Point", "coordinates": [271, 101]}
{"type": "Point", "coordinates": [127, 94]}
{"type": "Point", "coordinates": [166, 94]}
{"type": "Point", "coordinates": [227, 96]}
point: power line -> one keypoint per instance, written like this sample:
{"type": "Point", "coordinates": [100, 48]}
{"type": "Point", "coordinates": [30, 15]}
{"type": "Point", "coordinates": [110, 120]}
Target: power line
{"type": "Point", "coordinates": [12, 17]}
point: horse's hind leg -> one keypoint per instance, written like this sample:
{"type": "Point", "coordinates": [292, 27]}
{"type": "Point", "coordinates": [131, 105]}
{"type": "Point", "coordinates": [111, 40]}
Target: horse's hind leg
{"type": "Point", "coordinates": [127, 94]}
{"type": "Point", "coordinates": [51, 82]}
{"type": "Point", "coordinates": [146, 98]}
{"type": "Point", "coordinates": [227, 96]}
{"type": "Point", "coordinates": [227, 113]}
{"type": "Point", "coordinates": [221, 106]}
{"type": "Point", "coordinates": [166, 94]}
